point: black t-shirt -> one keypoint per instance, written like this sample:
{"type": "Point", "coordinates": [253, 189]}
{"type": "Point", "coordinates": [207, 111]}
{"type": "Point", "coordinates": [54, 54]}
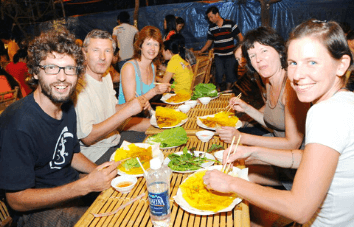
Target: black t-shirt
{"type": "Point", "coordinates": [36, 150]}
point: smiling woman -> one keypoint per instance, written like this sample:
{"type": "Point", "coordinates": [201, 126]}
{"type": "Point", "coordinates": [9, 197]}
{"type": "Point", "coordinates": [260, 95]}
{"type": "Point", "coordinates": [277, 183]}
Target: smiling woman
{"type": "Point", "coordinates": [322, 194]}
{"type": "Point", "coordinates": [138, 75]}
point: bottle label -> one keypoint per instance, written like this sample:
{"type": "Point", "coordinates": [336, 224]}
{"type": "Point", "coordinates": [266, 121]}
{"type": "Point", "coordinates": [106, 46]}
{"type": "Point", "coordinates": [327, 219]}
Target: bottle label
{"type": "Point", "coordinates": [159, 203]}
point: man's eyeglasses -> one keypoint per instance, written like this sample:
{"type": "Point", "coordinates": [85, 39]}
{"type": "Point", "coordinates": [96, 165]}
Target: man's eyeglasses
{"type": "Point", "coordinates": [54, 69]}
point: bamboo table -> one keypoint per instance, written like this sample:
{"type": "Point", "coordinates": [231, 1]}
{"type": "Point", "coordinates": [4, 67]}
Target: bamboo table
{"type": "Point", "coordinates": [191, 127]}
{"type": "Point", "coordinates": [138, 213]}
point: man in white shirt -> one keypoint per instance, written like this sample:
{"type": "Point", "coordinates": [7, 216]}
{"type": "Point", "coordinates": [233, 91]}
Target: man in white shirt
{"type": "Point", "coordinates": [124, 35]}
{"type": "Point", "coordinates": [98, 114]}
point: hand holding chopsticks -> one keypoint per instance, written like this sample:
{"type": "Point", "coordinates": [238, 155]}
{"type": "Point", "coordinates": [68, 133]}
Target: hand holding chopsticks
{"type": "Point", "coordinates": [226, 167]}
{"type": "Point", "coordinates": [229, 107]}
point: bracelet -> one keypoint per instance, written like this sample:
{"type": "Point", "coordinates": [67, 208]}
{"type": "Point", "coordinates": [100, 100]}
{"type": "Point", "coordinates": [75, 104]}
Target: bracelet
{"type": "Point", "coordinates": [292, 159]}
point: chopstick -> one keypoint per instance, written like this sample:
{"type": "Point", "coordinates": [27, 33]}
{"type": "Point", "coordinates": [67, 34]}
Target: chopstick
{"type": "Point", "coordinates": [229, 107]}
{"type": "Point", "coordinates": [119, 208]}
{"type": "Point", "coordinates": [228, 155]}
{"type": "Point", "coordinates": [231, 163]}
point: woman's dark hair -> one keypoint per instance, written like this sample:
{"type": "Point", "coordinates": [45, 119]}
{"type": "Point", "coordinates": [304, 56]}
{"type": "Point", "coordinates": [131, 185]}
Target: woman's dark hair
{"type": "Point", "coordinates": [170, 22]}
{"type": "Point", "coordinates": [21, 53]}
{"type": "Point", "coordinates": [176, 45]}
{"type": "Point", "coordinates": [266, 36]}
{"type": "Point", "coordinates": [330, 34]}
{"type": "Point", "coordinates": [180, 20]}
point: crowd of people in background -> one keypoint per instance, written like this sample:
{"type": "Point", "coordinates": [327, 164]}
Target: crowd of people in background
{"type": "Point", "coordinates": [79, 100]}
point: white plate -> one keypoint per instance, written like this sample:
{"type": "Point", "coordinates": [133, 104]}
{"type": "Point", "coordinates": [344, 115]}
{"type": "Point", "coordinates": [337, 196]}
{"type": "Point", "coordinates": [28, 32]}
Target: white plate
{"type": "Point", "coordinates": [162, 148]}
{"type": "Point", "coordinates": [169, 95]}
{"type": "Point", "coordinates": [153, 122]}
{"type": "Point", "coordinates": [242, 173]}
{"type": "Point", "coordinates": [200, 123]}
{"type": "Point", "coordinates": [196, 153]}
{"type": "Point", "coordinates": [156, 152]}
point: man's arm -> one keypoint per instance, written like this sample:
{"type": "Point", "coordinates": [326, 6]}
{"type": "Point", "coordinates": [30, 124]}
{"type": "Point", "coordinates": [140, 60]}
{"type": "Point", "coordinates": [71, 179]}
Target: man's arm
{"type": "Point", "coordinates": [206, 46]}
{"type": "Point", "coordinates": [32, 198]}
{"type": "Point", "coordinates": [82, 164]}
{"type": "Point", "coordinates": [107, 126]}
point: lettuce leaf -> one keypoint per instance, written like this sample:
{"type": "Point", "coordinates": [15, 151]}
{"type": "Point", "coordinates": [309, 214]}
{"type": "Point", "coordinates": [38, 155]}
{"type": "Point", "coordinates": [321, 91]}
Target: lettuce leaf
{"type": "Point", "coordinates": [204, 90]}
{"type": "Point", "coordinates": [171, 137]}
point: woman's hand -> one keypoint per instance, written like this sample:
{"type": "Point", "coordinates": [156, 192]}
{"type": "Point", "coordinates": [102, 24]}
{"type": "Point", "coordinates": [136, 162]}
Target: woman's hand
{"type": "Point", "coordinates": [162, 68]}
{"type": "Point", "coordinates": [218, 181]}
{"type": "Point", "coordinates": [162, 88]}
{"type": "Point", "coordinates": [238, 105]}
{"type": "Point", "coordinates": [242, 152]}
{"type": "Point", "coordinates": [227, 133]}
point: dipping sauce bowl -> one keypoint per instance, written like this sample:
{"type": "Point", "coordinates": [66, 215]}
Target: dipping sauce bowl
{"type": "Point", "coordinates": [124, 183]}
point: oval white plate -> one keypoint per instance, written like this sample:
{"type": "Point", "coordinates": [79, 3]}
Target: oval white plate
{"type": "Point", "coordinates": [169, 95]}
{"type": "Point", "coordinates": [153, 122]}
{"type": "Point", "coordinates": [196, 153]}
{"type": "Point", "coordinates": [158, 154]}
{"type": "Point", "coordinates": [242, 173]}
{"type": "Point", "coordinates": [200, 123]}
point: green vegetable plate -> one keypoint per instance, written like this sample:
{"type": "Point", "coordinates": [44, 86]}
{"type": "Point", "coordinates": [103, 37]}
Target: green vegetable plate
{"type": "Point", "coordinates": [169, 138]}
{"type": "Point", "coordinates": [183, 162]}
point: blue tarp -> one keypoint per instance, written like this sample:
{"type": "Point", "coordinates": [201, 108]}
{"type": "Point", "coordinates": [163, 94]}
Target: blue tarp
{"type": "Point", "coordinates": [284, 16]}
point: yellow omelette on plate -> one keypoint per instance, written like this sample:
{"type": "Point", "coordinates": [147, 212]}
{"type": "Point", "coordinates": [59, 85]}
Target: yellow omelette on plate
{"type": "Point", "coordinates": [222, 118]}
{"type": "Point", "coordinates": [130, 165]}
{"type": "Point", "coordinates": [197, 196]}
{"type": "Point", "coordinates": [167, 117]}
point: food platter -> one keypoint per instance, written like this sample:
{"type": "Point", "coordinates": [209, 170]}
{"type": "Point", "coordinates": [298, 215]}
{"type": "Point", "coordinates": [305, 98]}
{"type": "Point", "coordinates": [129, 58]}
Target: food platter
{"type": "Point", "coordinates": [153, 122]}
{"type": "Point", "coordinates": [156, 152]}
{"type": "Point", "coordinates": [166, 96]}
{"type": "Point", "coordinates": [202, 125]}
{"type": "Point", "coordinates": [242, 173]}
{"type": "Point", "coordinates": [196, 154]}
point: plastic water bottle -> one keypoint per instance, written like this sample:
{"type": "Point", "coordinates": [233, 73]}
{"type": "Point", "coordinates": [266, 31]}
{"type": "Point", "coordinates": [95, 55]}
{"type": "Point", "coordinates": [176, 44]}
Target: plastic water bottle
{"type": "Point", "coordinates": [158, 185]}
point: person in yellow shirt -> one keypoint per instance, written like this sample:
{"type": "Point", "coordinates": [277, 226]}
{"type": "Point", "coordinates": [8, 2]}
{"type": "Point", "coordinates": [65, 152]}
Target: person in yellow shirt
{"type": "Point", "coordinates": [177, 68]}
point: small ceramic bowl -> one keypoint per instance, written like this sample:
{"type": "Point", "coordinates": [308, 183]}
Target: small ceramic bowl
{"type": "Point", "coordinates": [219, 155]}
{"type": "Point", "coordinates": [191, 103]}
{"type": "Point", "coordinates": [124, 183]}
{"type": "Point", "coordinates": [184, 108]}
{"type": "Point", "coordinates": [205, 136]}
{"type": "Point", "coordinates": [205, 100]}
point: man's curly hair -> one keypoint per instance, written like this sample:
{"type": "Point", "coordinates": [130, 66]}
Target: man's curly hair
{"type": "Point", "coordinates": [55, 40]}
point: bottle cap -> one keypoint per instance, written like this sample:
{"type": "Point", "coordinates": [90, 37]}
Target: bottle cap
{"type": "Point", "coordinates": [155, 163]}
